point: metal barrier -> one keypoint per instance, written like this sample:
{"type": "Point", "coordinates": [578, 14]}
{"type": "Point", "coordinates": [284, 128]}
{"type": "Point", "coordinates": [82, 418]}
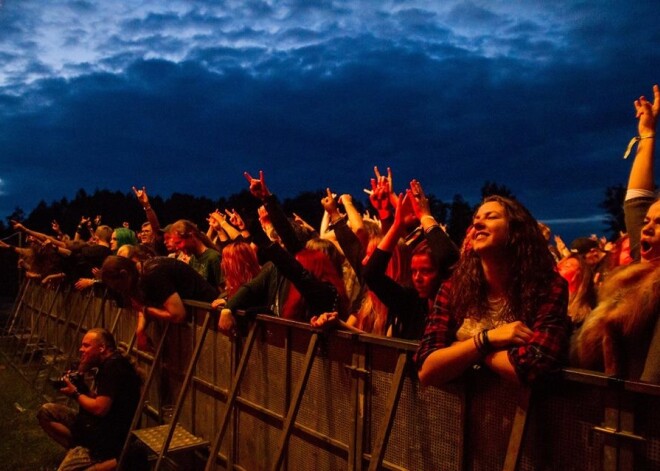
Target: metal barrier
{"type": "Point", "coordinates": [301, 399]}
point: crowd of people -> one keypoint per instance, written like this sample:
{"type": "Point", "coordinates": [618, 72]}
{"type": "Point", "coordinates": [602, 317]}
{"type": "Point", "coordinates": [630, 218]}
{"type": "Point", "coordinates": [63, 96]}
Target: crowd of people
{"type": "Point", "coordinates": [509, 298]}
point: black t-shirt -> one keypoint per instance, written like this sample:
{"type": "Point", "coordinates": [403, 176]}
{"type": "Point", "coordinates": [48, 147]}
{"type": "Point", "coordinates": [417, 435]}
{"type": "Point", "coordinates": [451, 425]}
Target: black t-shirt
{"type": "Point", "coordinates": [163, 276]}
{"type": "Point", "coordinates": [105, 436]}
{"type": "Point", "coordinates": [83, 259]}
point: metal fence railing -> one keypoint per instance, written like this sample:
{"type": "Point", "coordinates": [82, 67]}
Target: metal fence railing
{"type": "Point", "coordinates": [286, 396]}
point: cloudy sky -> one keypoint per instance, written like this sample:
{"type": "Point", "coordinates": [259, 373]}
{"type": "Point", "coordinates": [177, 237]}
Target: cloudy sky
{"type": "Point", "coordinates": [186, 95]}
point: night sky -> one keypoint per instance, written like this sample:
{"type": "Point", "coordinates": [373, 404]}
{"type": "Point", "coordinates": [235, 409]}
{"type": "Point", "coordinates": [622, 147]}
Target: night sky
{"type": "Point", "coordinates": [183, 96]}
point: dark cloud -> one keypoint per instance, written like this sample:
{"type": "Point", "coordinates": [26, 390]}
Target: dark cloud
{"type": "Point", "coordinates": [316, 95]}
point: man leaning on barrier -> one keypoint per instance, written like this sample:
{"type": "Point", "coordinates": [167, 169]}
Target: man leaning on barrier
{"type": "Point", "coordinates": [95, 434]}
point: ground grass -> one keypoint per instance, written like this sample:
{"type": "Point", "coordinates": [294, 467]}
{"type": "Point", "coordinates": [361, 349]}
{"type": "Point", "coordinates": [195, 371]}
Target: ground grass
{"type": "Point", "coordinates": [23, 445]}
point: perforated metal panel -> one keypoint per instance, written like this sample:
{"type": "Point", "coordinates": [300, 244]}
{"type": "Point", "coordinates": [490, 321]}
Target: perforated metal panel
{"type": "Point", "coordinates": [257, 442]}
{"type": "Point", "coordinates": [427, 431]}
{"type": "Point", "coordinates": [264, 382]}
{"type": "Point", "coordinates": [559, 432]}
{"type": "Point", "coordinates": [305, 456]}
{"type": "Point", "coordinates": [326, 406]}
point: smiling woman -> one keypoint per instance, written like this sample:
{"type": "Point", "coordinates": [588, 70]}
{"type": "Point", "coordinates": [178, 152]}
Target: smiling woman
{"type": "Point", "coordinates": [504, 306]}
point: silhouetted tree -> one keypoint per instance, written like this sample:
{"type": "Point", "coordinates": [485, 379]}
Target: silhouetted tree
{"type": "Point", "coordinates": [439, 209]}
{"type": "Point", "coordinates": [17, 215]}
{"type": "Point", "coordinates": [460, 218]}
{"type": "Point", "coordinates": [613, 206]}
{"type": "Point", "coordinates": [492, 188]}
{"type": "Point", "coordinates": [193, 208]}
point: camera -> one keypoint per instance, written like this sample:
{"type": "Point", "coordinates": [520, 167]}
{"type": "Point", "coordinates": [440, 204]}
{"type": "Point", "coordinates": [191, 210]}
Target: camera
{"type": "Point", "coordinates": [76, 377]}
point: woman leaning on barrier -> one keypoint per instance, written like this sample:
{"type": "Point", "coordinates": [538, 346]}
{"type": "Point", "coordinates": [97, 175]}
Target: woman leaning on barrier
{"type": "Point", "coordinates": [504, 305]}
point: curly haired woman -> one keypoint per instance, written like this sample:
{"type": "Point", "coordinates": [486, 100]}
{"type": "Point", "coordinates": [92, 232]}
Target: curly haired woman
{"type": "Point", "coordinates": [504, 305]}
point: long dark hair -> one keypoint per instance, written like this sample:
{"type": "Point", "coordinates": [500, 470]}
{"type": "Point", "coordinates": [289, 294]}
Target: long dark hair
{"type": "Point", "coordinates": [531, 269]}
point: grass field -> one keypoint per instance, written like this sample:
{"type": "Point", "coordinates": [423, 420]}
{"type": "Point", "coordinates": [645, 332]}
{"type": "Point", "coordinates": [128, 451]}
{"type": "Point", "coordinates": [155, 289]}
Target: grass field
{"type": "Point", "coordinates": [23, 445]}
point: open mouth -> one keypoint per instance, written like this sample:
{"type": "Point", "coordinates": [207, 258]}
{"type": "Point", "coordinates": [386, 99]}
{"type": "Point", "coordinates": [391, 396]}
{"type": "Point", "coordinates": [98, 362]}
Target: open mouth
{"type": "Point", "coordinates": [645, 247]}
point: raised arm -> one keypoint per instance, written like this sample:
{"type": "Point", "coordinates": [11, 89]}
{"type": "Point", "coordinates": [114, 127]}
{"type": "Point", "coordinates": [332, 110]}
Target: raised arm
{"type": "Point", "coordinates": [443, 249]}
{"type": "Point", "coordinates": [236, 220]}
{"type": "Point", "coordinates": [219, 222]}
{"type": "Point", "coordinates": [353, 248]}
{"type": "Point", "coordinates": [641, 180]}
{"type": "Point", "coordinates": [354, 218]}
{"type": "Point", "coordinates": [380, 198]}
{"type": "Point", "coordinates": [279, 220]}
{"type": "Point", "coordinates": [143, 199]}
{"type": "Point", "coordinates": [37, 235]}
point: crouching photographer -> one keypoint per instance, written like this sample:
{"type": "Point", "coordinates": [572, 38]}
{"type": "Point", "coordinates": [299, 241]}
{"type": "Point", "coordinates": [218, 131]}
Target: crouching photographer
{"type": "Point", "coordinates": [95, 433]}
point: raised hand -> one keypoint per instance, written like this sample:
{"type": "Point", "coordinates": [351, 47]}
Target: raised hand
{"type": "Point", "coordinates": [258, 187]}
{"type": "Point", "coordinates": [404, 214]}
{"type": "Point", "coordinates": [235, 219]}
{"type": "Point", "coordinates": [380, 197]}
{"type": "Point", "coordinates": [298, 220]}
{"type": "Point", "coordinates": [389, 179]}
{"type": "Point", "coordinates": [329, 203]}
{"type": "Point", "coordinates": [419, 200]}
{"type": "Point", "coordinates": [17, 226]}
{"type": "Point", "coordinates": [264, 217]}
{"type": "Point", "coordinates": [215, 219]}
{"type": "Point", "coordinates": [647, 113]}
{"type": "Point", "coordinates": [142, 196]}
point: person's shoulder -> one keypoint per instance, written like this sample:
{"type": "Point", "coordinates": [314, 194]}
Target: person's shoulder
{"type": "Point", "coordinates": [210, 253]}
{"type": "Point", "coordinates": [118, 362]}
{"type": "Point", "coordinates": [157, 262]}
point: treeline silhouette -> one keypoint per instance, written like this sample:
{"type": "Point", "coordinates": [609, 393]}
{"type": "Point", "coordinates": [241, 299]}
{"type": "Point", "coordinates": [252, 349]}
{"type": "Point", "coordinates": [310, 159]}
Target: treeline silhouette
{"type": "Point", "coordinates": [116, 208]}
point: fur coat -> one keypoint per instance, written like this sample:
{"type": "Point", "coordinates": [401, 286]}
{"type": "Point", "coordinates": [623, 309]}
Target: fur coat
{"type": "Point", "coordinates": [617, 334]}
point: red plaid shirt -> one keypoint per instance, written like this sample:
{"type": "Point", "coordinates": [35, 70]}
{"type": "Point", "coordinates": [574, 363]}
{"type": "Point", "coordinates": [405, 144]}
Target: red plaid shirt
{"type": "Point", "coordinates": [543, 353]}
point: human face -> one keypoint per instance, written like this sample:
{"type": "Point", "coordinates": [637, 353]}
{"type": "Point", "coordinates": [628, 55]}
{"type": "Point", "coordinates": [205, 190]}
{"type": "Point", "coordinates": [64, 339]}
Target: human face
{"type": "Point", "coordinates": [424, 275]}
{"type": "Point", "coordinates": [169, 244]}
{"type": "Point", "coordinates": [113, 241]}
{"type": "Point", "coordinates": [91, 351]}
{"type": "Point", "coordinates": [182, 242]}
{"type": "Point", "coordinates": [650, 237]}
{"type": "Point", "coordinates": [593, 257]}
{"type": "Point", "coordinates": [147, 234]}
{"type": "Point", "coordinates": [491, 228]}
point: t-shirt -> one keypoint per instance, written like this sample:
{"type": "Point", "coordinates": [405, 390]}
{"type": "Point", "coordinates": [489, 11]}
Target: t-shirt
{"type": "Point", "coordinates": [208, 265]}
{"type": "Point", "coordinates": [83, 259]}
{"type": "Point", "coordinates": [105, 436]}
{"type": "Point", "coordinates": [164, 276]}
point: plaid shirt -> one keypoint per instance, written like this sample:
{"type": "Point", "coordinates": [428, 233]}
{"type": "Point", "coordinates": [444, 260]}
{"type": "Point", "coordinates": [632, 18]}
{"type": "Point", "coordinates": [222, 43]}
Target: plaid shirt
{"type": "Point", "coordinates": [543, 353]}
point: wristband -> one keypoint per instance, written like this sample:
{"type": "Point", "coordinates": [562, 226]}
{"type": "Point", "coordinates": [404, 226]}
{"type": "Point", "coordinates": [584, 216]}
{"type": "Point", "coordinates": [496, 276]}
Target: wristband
{"type": "Point", "coordinates": [634, 141]}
